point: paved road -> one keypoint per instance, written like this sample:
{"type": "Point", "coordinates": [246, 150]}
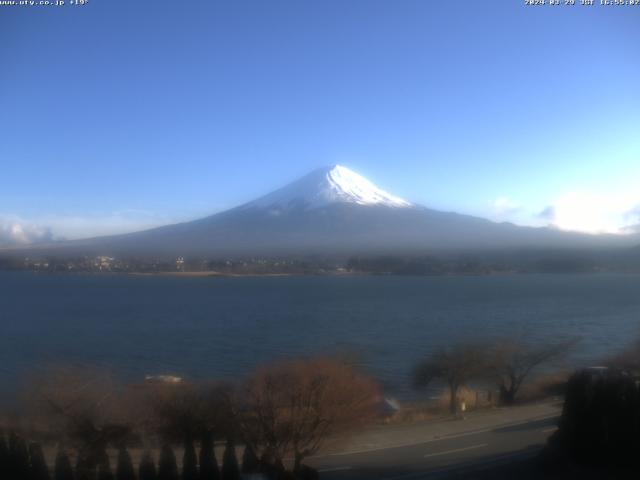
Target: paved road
{"type": "Point", "coordinates": [434, 449]}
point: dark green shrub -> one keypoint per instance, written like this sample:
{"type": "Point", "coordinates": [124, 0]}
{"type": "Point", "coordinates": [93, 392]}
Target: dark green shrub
{"type": "Point", "coordinates": [104, 469]}
{"type": "Point", "coordinates": [4, 457]}
{"type": "Point", "coordinates": [147, 469]}
{"type": "Point", "coordinates": [167, 466]}
{"type": "Point", "coordinates": [250, 462]}
{"type": "Point", "coordinates": [63, 469]}
{"type": "Point", "coordinates": [305, 472]}
{"type": "Point", "coordinates": [85, 467]}
{"type": "Point", "coordinates": [39, 469]}
{"type": "Point", "coordinates": [18, 458]}
{"type": "Point", "coordinates": [125, 470]}
{"type": "Point", "coordinates": [189, 462]}
{"type": "Point", "coordinates": [230, 468]}
{"type": "Point", "coordinates": [599, 423]}
{"type": "Point", "coordinates": [208, 463]}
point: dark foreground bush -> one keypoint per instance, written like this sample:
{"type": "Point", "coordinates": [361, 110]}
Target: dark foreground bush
{"type": "Point", "coordinates": [104, 469]}
{"type": "Point", "coordinates": [17, 458]}
{"type": "Point", "coordinates": [39, 469]}
{"type": "Point", "coordinates": [125, 469]}
{"type": "Point", "coordinates": [305, 472]}
{"type": "Point", "coordinates": [208, 463]}
{"type": "Point", "coordinates": [250, 462]}
{"type": "Point", "coordinates": [63, 469]}
{"type": "Point", "coordinates": [147, 468]}
{"type": "Point", "coordinates": [189, 462]}
{"type": "Point", "coordinates": [167, 465]}
{"type": "Point", "coordinates": [230, 467]}
{"type": "Point", "coordinates": [599, 424]}
{"type": "Point", "coordinates": [4, 456]}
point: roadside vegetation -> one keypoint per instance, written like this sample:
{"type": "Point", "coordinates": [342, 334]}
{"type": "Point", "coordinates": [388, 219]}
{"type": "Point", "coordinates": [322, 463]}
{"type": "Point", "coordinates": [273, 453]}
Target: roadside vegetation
{"type": "Point", "coordinates": [83, 424]}
{"type": "Point", "coordinates": [93, 428]}
{"type": "Point", "coordinates": [598, 433]}
{"type": "Point", "coordinates": [503, 365]}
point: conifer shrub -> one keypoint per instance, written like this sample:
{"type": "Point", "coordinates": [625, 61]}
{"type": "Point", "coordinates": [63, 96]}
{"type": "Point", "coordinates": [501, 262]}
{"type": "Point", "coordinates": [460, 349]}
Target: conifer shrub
{"type": "Point", "coordinates": [62, 469]}
{"type": "Point", "coordinates": [85, 467]}
{"type": "Point", "coordinates": [4, 456]}
{"type": "Point", "coordinates": [104, 469]}
{"type": "Point", "coordinates": [147, 468]}
{"type": "Point", "coordinates": [18, 458]}
{"type": "Point", "coordinates": [208, 464]}
{"type": "Point", "coordinates": [230, 468]}
{"type": "Point", "coordinates": [167, 466]}
{"type": "Point", "coordinates": [306, 472]}
{"type": "Point", "coordinates": [250, 462]}
{"type": "Point", "coordinates": [189, 462]}
{"type": "Point", "coordinates": [125, 469]}
{"type": "Point", "coordinates": [39, 469]}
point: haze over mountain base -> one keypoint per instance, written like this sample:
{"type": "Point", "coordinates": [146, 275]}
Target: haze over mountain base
{"type": "Point", "coordinates": [332, 211]}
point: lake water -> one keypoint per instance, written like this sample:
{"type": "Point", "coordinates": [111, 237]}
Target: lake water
{"type": "Point", "coordinates": [223, 327]}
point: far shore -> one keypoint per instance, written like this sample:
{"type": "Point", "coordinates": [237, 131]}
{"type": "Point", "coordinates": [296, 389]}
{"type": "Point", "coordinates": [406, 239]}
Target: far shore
{"type": "Point", "coordinates": [209, 273]}
{"type": "Point", "coordinates": [332, 273]}
{"type": "Point", "coordinates": [325, 273]}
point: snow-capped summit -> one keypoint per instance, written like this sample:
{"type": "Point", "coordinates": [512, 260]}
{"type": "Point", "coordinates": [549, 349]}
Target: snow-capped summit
{"type": "Point", "coordinates": [328, 185]}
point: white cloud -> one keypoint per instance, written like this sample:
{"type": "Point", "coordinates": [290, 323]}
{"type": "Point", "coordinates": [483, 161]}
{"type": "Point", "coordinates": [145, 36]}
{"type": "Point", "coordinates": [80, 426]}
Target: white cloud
{"type": "Point", "coordinates": [594, 212]}
{"type": "Point", "coordinates": [15, 231]}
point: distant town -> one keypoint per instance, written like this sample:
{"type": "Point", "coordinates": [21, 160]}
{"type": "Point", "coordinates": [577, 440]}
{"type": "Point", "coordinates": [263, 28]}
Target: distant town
{"type": "Point", "coordinates": [455, 264]}
{"type": "Point", "coordinates": [107, 264]}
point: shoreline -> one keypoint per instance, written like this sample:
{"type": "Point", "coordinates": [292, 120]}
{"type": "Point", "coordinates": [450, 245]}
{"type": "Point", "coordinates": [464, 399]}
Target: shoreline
{"type": "Point", "coordinates": [208, 273]}
{"type": "Point", "coordinates": [215, 273]}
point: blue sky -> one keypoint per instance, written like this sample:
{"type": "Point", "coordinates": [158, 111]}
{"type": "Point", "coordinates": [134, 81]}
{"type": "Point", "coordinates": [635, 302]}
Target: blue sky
{"type": "Point", "coordinates": [120, 115]}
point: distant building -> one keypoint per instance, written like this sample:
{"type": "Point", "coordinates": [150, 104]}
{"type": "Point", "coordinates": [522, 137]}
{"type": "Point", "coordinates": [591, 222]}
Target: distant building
{"type": "Point", "coordinates": [180, 264]}
{"type": "Point", "coordinates": [103, 263]}
{"type": "Point", "coordinates": [36, 263]}
{"type": "Point", "coordinates": [166, 379]}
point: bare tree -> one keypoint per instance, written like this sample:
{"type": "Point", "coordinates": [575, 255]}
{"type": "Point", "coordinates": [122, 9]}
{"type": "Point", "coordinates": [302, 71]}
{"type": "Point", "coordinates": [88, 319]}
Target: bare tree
{"type": "Point", "coordinates": [182, 412]}
{"type": "Point", "coordinates": [456, 365]}
{"type": "Point", "coordinates": [293, 407]}
{"type": "Point", "coordinates": [82, 405]}
{"type": "Point", "coordinates": [512, 361]}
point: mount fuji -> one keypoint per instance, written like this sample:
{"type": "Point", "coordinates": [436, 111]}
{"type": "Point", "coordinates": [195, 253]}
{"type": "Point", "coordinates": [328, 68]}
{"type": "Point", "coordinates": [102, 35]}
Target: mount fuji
{"type": "Point", "coordinates": [326, 186]}
{"type": "Point", "coordinates": [330, 211]}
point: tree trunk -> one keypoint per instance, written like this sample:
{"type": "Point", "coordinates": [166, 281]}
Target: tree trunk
{"type": "Point", "coordinates": [507, 395]}
{"type": "Point", "coordinates": [509, 389]}
{"type": "Point", "coordinates": [453, 399]}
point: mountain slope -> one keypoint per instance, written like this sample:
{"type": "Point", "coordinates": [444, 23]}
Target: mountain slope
{"type": "Point", "coordinates": [331, 211]}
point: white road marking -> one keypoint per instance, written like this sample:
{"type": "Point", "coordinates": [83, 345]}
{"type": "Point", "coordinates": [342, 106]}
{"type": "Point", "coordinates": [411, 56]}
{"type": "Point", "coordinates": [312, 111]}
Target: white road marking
{"type": "Point", "coordinates": [456, 450]}
{"type": "Point", "coordinates": [438, 438]}
{"type": "Point", "coordinates": [547, 430]}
